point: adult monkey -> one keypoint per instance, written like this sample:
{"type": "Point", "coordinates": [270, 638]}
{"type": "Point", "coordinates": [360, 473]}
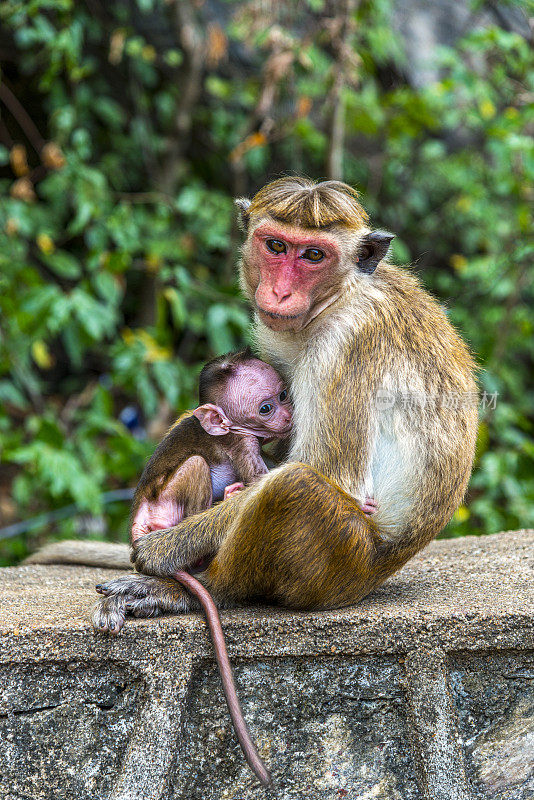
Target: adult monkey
{"type": "Point", "coordinates": [384, 405]}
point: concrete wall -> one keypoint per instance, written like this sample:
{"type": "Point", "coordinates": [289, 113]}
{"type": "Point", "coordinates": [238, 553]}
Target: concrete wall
{"type": "Point", "coordinates": [424, 690]}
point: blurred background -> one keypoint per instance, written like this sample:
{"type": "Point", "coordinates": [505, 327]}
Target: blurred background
{"type": "Point", "coordinates": [126, 128]}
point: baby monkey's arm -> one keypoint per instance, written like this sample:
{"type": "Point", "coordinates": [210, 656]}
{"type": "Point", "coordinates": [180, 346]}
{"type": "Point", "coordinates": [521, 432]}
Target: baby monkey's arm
{"type": "Point", "coordinates": [246, 458]}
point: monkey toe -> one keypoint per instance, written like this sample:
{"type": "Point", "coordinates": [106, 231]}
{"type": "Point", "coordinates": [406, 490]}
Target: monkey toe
{"type": "Point", "coordinates": [145, 607]}
{"type": "Point", "coordinates": [134, 585]}
{"type": "Point", "coordinates": [109, 615]}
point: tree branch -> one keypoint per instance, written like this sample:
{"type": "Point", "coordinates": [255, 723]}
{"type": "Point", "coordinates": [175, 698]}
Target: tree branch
{"type": "Point", "coordinates": [341, 40]}
{"type": "Point", "coordinates": [22, 117]}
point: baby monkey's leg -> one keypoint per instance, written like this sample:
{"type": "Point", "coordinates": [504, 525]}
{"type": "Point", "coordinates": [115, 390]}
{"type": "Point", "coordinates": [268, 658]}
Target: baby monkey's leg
{"type": "Point", "coordinates": [142, 595]}
{"type": "Point", "coordinates": [186, 492]}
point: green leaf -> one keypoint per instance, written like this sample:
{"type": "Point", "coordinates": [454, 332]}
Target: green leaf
{"type": "Point", "coordinates": [63, 264]}
{"type": "Point", "coordinates": [96, 319]}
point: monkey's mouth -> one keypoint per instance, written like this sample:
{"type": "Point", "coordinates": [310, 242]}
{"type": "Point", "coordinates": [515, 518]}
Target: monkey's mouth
{"type": "Point", "coordinates": [267, 438]}
{"type": "Point", "coordinates": [287, 430]}
{"type": "Point", "coordinates": [282, 322]}
{"type": "Point", "coordinates": [274, 315]}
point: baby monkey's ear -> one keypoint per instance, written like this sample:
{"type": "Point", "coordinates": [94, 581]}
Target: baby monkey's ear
{"type": "Point", "coordinates": [213, 419]}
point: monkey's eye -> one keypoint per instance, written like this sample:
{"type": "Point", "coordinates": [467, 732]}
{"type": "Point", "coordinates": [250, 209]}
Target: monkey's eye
{"type": "Point", "coordinates": [313, 254]}
{"type": "Point", "coordinates": [276, 246]}
{"type": "Point", "coordinates": [283, 396]}
{"type": "Point", "coordinates": [266, 408]}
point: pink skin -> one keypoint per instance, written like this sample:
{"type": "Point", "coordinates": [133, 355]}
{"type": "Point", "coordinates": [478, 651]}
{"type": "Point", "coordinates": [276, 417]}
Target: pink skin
{"type": "Point", "coordinates": [252, 405]}
{"type": "Point", "coordinates": [290, 282]}
{"type": "Point", "coordinates": [156, 516]}
{"type": "Point", "coordinates": [370, 506]}
{"type": "Point", "coordinates": [255, 386]}
{"type": "Point", "coordinates": [233, 488]}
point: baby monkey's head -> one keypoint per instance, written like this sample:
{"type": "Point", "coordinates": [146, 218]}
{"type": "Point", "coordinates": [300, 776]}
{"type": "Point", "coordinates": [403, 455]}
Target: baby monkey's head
{"type": "Point", "coordinates": [239, 393]}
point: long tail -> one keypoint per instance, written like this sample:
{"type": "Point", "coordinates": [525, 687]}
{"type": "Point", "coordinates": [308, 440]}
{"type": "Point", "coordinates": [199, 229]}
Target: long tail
{"type": "Point", "coordinates": [221, 654]}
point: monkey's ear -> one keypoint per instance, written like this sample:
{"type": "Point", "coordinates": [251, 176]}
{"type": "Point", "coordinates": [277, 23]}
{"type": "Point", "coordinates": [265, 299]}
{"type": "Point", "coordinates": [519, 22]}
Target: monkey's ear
{"type": "Point", "coordinates": [243, 205]}
{"type": "Point", "coordinates": [372, 249]}
{"type": "Point", "coordinates": [213, 419]}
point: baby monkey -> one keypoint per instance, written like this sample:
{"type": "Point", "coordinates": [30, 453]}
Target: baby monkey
{"type": "Point", "coordinates": [208, 455]}
{"type": "Point", "coordinates": [215, 450]}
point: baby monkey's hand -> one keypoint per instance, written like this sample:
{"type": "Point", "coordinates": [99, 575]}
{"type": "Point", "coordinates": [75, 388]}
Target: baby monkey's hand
{"type": "Point", "coordinates": [232, 489]}
{"type": "Point", "coordinates": [370, 506]}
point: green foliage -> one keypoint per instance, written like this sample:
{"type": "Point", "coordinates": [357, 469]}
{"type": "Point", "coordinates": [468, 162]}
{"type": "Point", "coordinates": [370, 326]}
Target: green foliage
{"type": "Point", "coordinates": [117, 250]}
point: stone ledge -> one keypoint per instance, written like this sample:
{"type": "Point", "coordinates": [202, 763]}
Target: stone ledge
{"type": "Point", "coordinates": [423, 690]}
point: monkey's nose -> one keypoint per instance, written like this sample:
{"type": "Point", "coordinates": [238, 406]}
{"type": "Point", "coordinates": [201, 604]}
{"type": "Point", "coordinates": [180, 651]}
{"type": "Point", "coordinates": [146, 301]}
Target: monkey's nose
{"type": "Point", "coordinates": [281, 293]}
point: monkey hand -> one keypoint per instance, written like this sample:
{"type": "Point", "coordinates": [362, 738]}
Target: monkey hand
{"type": "Point", "coordinates": [181, 547]}
{"type": "Point", "coordinates": [232, 489]}
{"type": "Point", "coordinates": [370, 506]}
{"type": "Point", "coordinates": [162, 552]}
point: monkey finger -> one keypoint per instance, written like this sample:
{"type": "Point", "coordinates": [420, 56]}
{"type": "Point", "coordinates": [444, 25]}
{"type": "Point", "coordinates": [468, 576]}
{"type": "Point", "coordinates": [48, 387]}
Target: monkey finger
{"type": "Point", "coordinates": [144, 607]}
{"type": "Point", "coordinates": [370, 506]}
{"type": "Point", "coordinates": [114, 587]}
{"type": "Point", "coordinates": [233, 488]}
{"type": "Point", "coordinates": [129, 586]}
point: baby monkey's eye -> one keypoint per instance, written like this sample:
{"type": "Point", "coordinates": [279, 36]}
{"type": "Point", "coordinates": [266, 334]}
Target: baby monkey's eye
{"type": "Point", "coordinates": [313, 254]}
{"type": "Point", "coordinates": [276, 246]}
{"type": "Point", "coordinates": [283, 396]}
{"type": "Point", "coordinates": [266, 408]}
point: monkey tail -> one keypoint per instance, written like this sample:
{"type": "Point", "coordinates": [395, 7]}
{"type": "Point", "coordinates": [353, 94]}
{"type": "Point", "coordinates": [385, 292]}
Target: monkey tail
{"type": "Point", "coordinates": [225, 669]}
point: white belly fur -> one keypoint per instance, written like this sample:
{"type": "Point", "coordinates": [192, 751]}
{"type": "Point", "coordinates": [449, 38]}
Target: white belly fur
{"type": "Point", "coordinates": [221, 477]}
{"type": "Point", "coordinates": [393, 472]}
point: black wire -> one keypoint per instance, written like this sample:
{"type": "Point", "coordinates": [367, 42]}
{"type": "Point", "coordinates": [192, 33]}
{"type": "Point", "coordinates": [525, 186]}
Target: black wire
{"type": "Point", "coordinates": [71, 510]}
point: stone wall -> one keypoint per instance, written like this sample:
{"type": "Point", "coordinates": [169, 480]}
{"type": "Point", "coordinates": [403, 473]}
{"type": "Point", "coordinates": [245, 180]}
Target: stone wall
{"type": "Point", "coordinates": [423, 690]}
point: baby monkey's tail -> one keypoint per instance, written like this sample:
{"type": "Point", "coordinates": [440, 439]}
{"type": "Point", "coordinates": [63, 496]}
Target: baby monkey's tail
{"type": "Point", "coordinates": [221, 654]}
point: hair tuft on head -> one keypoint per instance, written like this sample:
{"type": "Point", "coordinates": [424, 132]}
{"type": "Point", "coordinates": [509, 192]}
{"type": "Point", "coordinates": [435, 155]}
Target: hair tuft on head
{"type": "Point", "coordinates": [301, 201]}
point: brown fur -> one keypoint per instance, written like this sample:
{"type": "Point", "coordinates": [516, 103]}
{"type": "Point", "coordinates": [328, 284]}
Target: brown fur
{"type": "Point", "coordinates": [185, 440]}
{"type": "Point", "coordinates": [298, 536]}
{"type": "Point", "coordinates": [301, 202]}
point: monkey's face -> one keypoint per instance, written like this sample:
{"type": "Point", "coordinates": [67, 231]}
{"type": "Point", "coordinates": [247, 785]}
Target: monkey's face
{"type": "Point", "coordinates": [257, 401]}
{"type": "Point", "coordinates": [291, 274]}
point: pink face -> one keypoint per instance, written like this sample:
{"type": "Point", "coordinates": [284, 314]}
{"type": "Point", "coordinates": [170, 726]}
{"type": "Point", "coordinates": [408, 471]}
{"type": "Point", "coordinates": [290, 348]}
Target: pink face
{"type": "Point", "coordinates": [296, 272]}
{"type": "Point", "coordinates": [256, 398]}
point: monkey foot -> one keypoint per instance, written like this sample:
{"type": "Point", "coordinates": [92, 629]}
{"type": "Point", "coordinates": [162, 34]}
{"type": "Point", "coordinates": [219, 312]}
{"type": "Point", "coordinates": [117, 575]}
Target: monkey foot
{"type": "Point", "coordinates": [137, 596]}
